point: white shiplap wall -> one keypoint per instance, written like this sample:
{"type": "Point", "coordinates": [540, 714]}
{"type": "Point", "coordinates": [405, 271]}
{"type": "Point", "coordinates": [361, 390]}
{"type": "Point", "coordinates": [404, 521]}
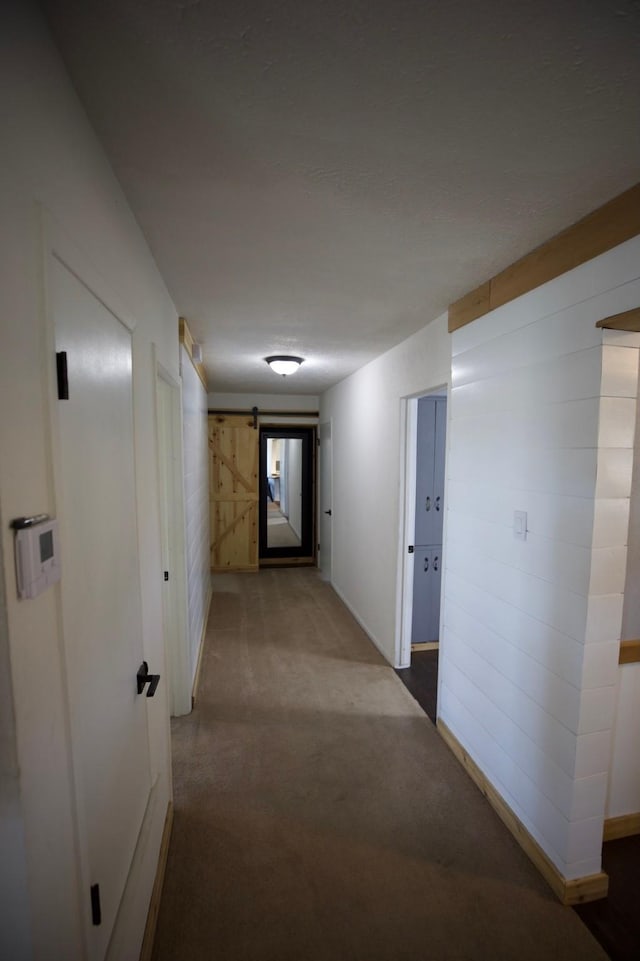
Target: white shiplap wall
{"type": "Point", "coordinates": [196, 502]}
{"type": "Point", "coordinates": [531, 628]}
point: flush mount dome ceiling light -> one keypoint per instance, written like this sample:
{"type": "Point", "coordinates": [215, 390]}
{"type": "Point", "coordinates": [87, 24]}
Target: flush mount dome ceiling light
{"type": "Point", "coordinates": [284, 364]}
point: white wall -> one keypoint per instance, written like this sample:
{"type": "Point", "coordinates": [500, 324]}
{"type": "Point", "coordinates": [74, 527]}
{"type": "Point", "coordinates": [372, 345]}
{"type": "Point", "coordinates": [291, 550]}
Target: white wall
{"type": "Point", "coordinates": [366, 411]}
{"type": "Point", "coordinates": [196, 503]}
{"type": "Point", "coordinates": [294, 485]}
{"type": "Point", "coordinates": [50, 157]}
{"type": "Point", "coordinates": [531, 628]}
{"type": "Point", "coordinates": [15, 936]}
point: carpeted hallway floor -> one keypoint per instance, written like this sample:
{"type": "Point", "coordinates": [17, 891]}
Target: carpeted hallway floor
{"type": "Point", "coordinates": [318, 814]}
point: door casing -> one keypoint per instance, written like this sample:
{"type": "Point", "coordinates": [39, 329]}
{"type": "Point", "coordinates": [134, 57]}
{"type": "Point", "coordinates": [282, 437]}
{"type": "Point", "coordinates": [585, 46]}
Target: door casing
{"type": "Point", "coordinates": [306, 552]}
{"type": "Point", "coordinates": [405, 577]}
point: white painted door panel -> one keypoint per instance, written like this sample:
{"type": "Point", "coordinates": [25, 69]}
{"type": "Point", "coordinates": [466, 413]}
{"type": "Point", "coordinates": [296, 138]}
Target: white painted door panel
{"type": "Point", "coordinates": [430, 457]}
{"type": "Point", "coordinates": [425, 493]}
{"type": "Point", "coordinates": [438, 468]}
{"type": "Point", "coordinates": [101, 610]}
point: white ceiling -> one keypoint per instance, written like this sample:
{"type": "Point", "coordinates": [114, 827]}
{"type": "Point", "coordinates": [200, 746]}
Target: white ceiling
{"type": "Point", "coordinates": [323, 177]}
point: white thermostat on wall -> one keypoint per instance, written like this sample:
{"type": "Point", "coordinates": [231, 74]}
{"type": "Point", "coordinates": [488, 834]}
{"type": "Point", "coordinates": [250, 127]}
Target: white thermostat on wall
{"type": "Point", "coordinates": [37, 554]}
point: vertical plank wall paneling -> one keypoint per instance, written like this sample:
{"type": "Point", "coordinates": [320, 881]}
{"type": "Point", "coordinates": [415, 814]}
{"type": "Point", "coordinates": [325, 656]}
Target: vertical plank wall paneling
{"type": "Point", "coordinates": [531, 627]}
{"type": "Point", "coordinates": [196, 501]}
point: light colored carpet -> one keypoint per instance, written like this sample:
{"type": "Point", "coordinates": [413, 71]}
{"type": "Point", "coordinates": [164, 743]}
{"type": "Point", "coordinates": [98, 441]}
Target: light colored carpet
{"type": "Point", "coordinates": [279, 531]}
{"type": "Point", "coordinates": [320, 817]}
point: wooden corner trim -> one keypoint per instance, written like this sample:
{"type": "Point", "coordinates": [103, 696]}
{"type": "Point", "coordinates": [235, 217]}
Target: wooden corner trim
{"type": "Point", "coordinates": [621, 827]}
{"type": "Point", "coordinates": [591, 887]}
{"type": "Point", "coordinates": [629, 652]}
{"type": "Point", "coordinates": [601, 230]}
{"type": "Point", "coordinates": [628, 320]}
{"type": "Point", "coordinates": [156, 894]}
{"type": "Point", "coordinates": [186, 339]}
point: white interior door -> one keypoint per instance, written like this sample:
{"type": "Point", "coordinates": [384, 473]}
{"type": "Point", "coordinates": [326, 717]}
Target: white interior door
{"type": "Point", "coordinates": [326, 494]}
{"type": "Point", "coordinates": [101, 610]}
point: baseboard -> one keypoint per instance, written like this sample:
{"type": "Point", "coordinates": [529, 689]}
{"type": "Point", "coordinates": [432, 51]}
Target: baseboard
{"type": "Point", "coordinates": [287, 562]}
{"type": "Point", "coordinates": [592, 887]}
{"type": "Point", "coordinates": [358, 619]}
{"type": "Point", "coordinates": [156, 894]}
{"type": "Point", "coordinates": [621, 827]}
{"type": "Point", "coordinates": [196, 676]}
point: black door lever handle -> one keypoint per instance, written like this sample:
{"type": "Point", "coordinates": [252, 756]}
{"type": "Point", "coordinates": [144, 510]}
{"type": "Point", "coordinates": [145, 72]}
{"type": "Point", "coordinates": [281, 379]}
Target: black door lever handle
{"type": "Point", "coordinates": [143, 677]}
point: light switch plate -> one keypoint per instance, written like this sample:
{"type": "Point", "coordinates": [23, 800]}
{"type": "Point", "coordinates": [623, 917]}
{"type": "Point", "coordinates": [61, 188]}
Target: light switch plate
{"type": "Point", "coordinates": [520, 525]}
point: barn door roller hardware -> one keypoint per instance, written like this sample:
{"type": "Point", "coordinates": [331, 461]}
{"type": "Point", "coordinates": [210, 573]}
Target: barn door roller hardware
{"type": "Point", "coordinates": [143, 677]}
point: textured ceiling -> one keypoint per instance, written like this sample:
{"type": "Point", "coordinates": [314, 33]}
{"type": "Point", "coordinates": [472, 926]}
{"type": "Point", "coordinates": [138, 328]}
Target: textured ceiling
{"type": "Point", "coordinates": [323, 178]}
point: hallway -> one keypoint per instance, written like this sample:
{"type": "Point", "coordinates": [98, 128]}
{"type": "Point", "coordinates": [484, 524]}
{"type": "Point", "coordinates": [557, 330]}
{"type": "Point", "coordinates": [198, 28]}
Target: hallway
{"type": "Point", "coordinates": [318, 814]}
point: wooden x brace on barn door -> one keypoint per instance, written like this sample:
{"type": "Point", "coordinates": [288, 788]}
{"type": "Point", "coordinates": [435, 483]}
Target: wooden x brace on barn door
{"type": "Point", "coordinates": [233, 492]}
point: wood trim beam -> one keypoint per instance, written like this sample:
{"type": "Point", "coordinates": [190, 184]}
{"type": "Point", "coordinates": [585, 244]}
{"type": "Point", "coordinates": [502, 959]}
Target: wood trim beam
{"type": "Point", "coordinates": [186, 339]}
{"type": "Point", "coordinates": [622, 827]}
{"type": "Point", "coordinates": [628, 320]}
{"type": "Point", "coordinates": [604, 228]}
{"type": "Point", "coordinates": [156, 894]}
{"type": "Point", "coordinates": [591, 887]}
{"type": "Point", "coordinates": [629, 652]}
{"type": "Point", "coordinates": [268, 413]}
{"type": "Point", "coordinates": [473, 305]}
{"type": "Point", "coordinates": [287, 562]}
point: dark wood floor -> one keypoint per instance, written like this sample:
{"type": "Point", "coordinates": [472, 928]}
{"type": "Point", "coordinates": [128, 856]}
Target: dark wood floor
{"type": "Point", "coordinates": [421, 679]}
{"type": "Point", "coordinates": [614, 921]}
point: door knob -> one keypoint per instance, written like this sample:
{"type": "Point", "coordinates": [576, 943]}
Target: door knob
{"type": "Point", "coordinates": [438, 503]}
{"type": "Point", "coordinates": [435, 563]}
{"type": "Point", "coordinates": [427, 505]}
{"type": "Point", "coordinates": [426, 564]}
{"type": "Point", "coordinates": [143, 677]}
{"type": "Point", "coordinates": [328, 512]}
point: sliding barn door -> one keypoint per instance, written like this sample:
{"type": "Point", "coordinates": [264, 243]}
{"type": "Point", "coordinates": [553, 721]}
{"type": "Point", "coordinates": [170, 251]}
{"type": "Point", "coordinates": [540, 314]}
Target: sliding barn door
{"type": "Point", "coordinates": [233, 492]}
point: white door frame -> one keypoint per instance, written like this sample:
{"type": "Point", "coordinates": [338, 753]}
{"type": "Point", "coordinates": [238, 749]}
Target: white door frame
{"type": "Point", "coordinates": [172, 516]}
{"type": "Point", "coordinates": [326, 557]}
{"type": "Point", "coordinates": [407, 521]}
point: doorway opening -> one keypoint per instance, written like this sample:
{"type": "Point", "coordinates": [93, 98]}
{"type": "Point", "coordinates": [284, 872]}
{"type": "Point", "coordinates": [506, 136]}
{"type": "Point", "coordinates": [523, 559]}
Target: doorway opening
{"type": "Point", "coordinates": [287, 485]}
{"type": "Point", "coordinates": [423, 540]}
{"type": "Point", "coordinates": [325, 500]}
